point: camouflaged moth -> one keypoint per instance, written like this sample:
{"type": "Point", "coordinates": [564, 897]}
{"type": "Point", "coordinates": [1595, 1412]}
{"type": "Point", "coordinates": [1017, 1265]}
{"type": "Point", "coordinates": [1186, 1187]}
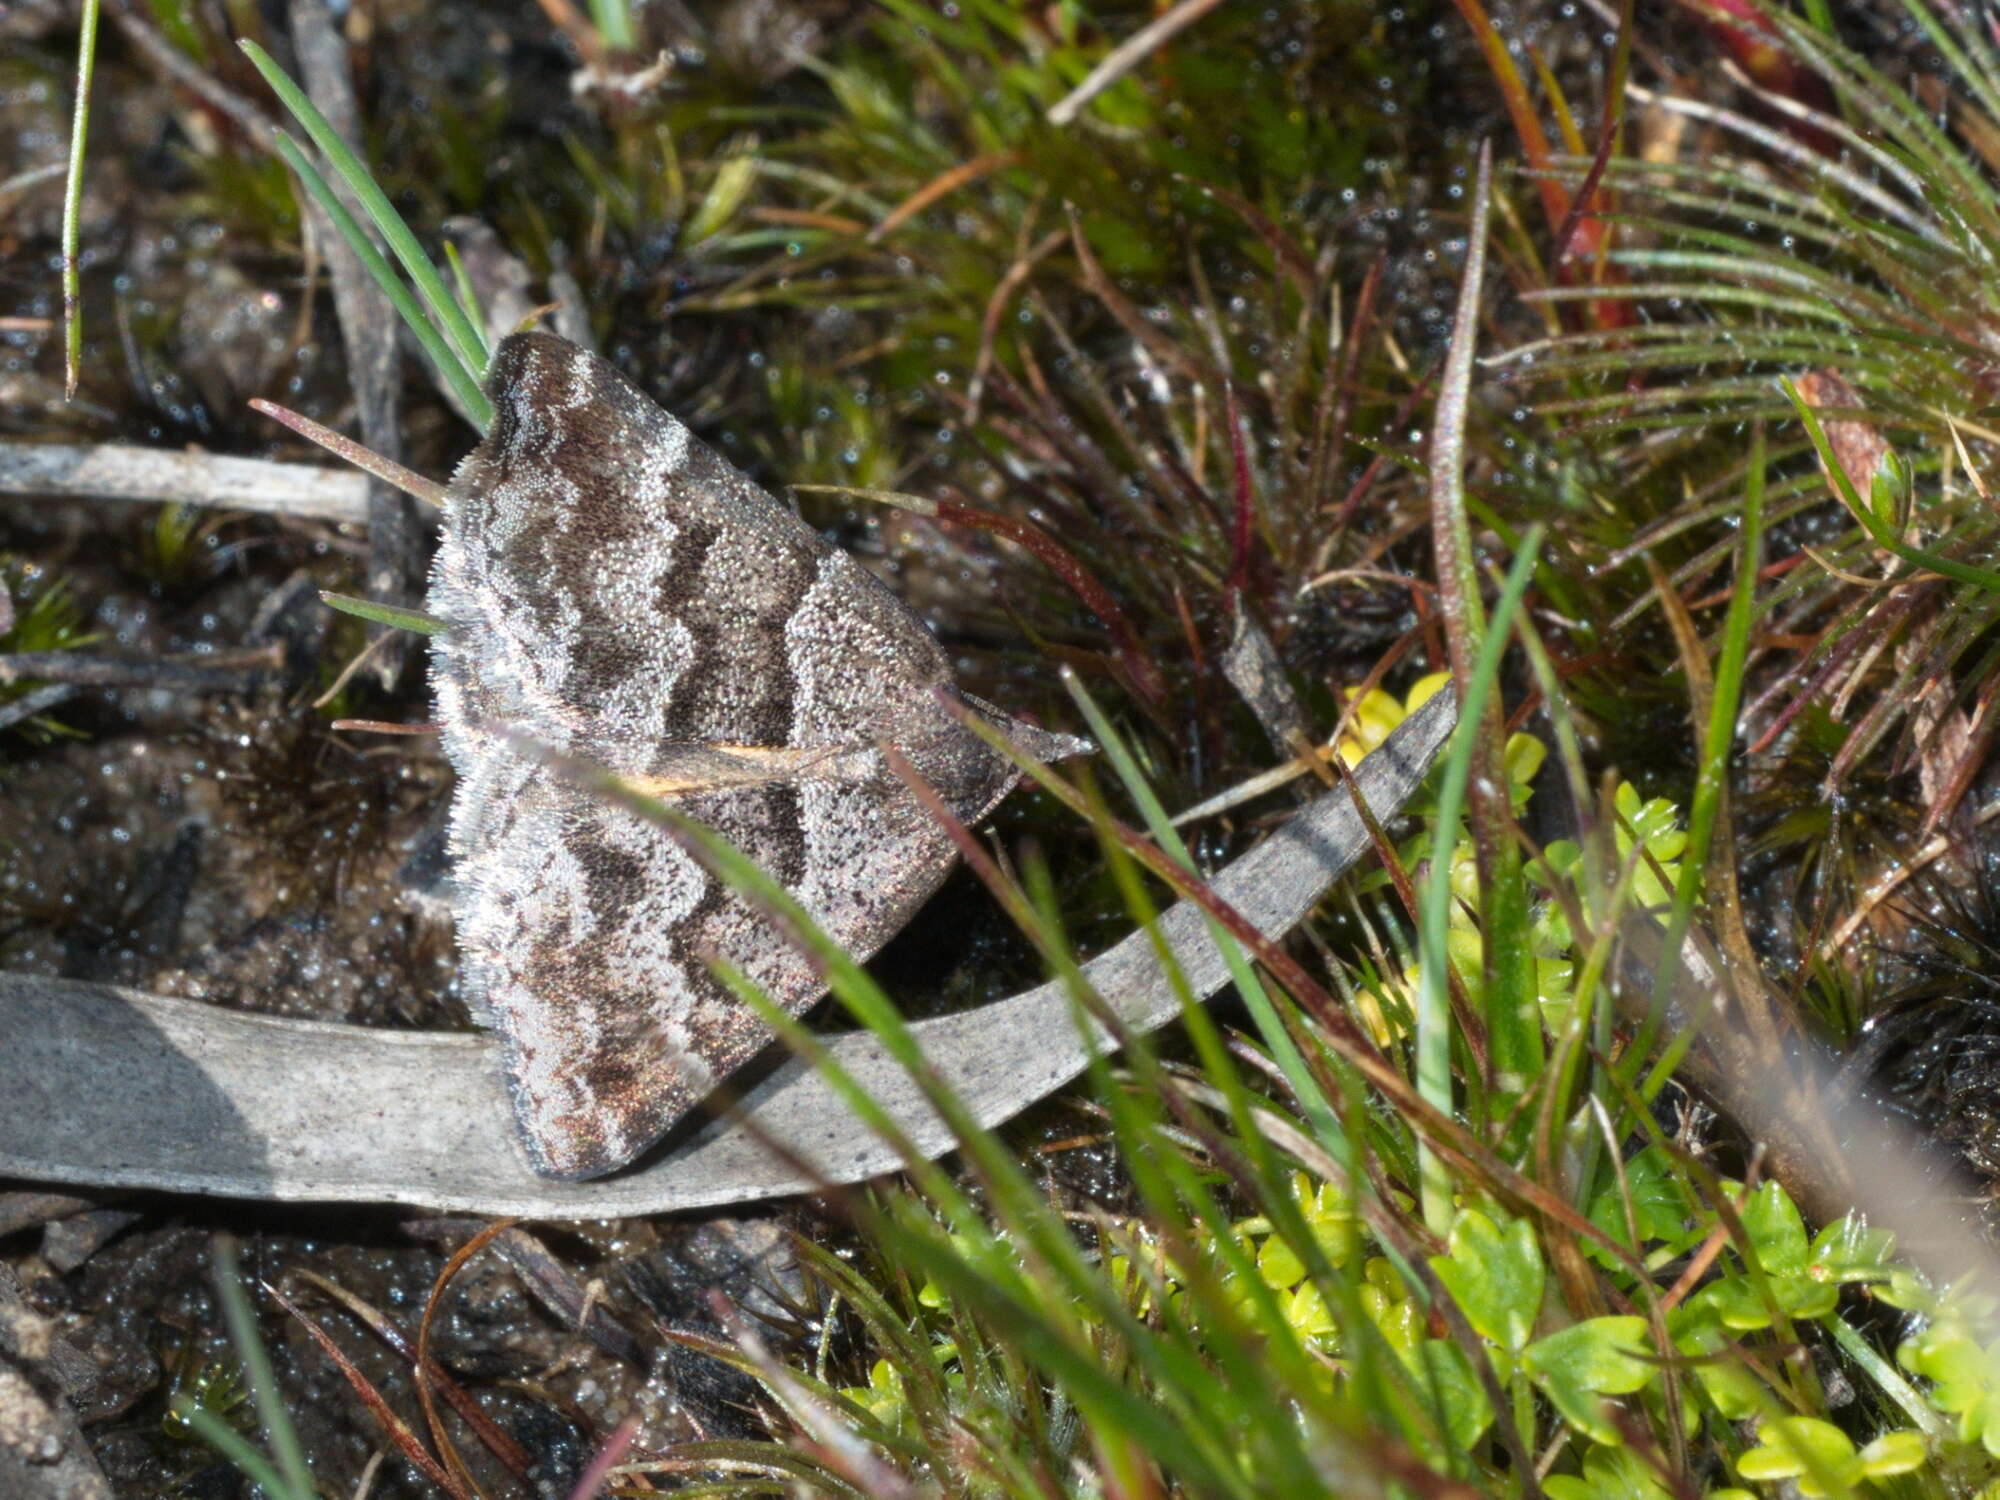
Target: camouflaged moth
{"type": "Point", "coordinates": [613, 590]}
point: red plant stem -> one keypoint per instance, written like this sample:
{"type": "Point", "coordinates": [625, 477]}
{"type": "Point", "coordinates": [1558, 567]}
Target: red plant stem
{"type": "Point", "coordinates": [609, 1456]}
{"type": "Point", "coordinates": [1572, 219]}
{"type": "Point", "coordinates": [399, 1432]}
{"type": "Point", "coordinates": [1520, 108]}
{"type": "Point", "coordinates": [1142, 673]}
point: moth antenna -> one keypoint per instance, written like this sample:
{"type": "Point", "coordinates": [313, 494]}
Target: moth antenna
{"type": "Point", "coordinates": [409, 481]}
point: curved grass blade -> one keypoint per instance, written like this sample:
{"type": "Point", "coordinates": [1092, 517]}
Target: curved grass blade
{"type": "Point", "coordinates": [294, 1475]}
{"type": "Point", "coordinates": [465, 339]}
{"type": "Point", "coordinates": [454, 369]}
{"type": "Point", "coordinates": [1877, 529]}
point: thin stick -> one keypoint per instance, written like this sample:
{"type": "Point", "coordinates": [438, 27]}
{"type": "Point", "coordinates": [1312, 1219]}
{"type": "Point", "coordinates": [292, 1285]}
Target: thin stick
{"type": "Point", "coordinates": [359, 660]}
{"type": "Point", "coordinates": [215, 673]}
{"type": "Point", "coordinates": [175, 65]}
{"type": "Point", "coordinates": [160, 476]}
{"type": "Point", "coordinates": [40, 701]}
{"type": "Point", "coordinates": [1128, 55]}
{"type": "Point", "coordinates": [1936, 848]}
{"type": "Point", "coordinates": [409, 481]}
{"type": "Point", "coordinates": [941, 186]}
{"type": "Point", "coordinates": [20, 182]}
{"type": "Point", "coordinates": [367, 316]}
{"type": "Point", "coordinates": [380, 726]}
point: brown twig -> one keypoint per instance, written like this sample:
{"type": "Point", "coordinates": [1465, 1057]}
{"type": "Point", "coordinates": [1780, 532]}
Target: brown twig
{"type": "Point", "coordinates": [941, 186]}
{"type": "Point", "coordinates": [167, 59]}
{"type": "Point", "coordinates": [161, 476]}
{"type": "Point", "coordinates": [38, 701]}
{"type": "Point", "coordinates": [996, 308]}
{"type": "Point", "coordinates": [496, 1438]}
{"type": "Point", "coordinates": [452, 1266]}
{"type": "Point", "coordinates": [219, 672]}
{"type": "Point", "coordinates": [548, 1281]}
{"type": "Point", "coordinates": [341, 446]}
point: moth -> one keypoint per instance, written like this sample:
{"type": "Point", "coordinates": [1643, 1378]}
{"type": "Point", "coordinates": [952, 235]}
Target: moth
{"type": "Point", "coordinates": [615, 591]}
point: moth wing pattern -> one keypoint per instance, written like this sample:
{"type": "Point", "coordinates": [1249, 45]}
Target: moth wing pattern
{"type": "Point", "coordinates": [616, 591]}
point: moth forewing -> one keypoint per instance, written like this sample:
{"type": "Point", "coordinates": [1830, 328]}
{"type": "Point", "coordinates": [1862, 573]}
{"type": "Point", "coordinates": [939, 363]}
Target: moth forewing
{"type": "Point", "coordinates": [617, 592]}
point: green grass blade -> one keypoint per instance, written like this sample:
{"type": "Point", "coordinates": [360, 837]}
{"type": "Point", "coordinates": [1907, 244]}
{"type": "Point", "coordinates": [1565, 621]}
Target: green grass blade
{"type": "Point", "coordinates": [1036, 1249]}
{"type": "Point", "coordinates": [263, 1381]}
{"type": "Point", "coordinates": [1434, 1078]}
{"type": "Point", "coordinates": [1082, 1286]}
{"type": "Point", "coordinates": [1166, 1182]}
{"type": "Point", "coordinates": [383, 614]}
{"type": "Point", "coordinates": [1109, 1406]}
{"type": "Point", "coordinates": [442, 355]}
{"type": "Point", "coordinates": [464, 338]}
{"type": "Point", "coordinates": [1888, 1379]}
{"type": "Point", "coordinates": [1174, 1193]}
{"type": "Point", "coordinates": [72, 275]}
{"type": "Point", "coordinates": [1878, 529]}
{"type": "Point", "coordinates": [1318, 1109]}
{"type": "Point", "coordinates": [1013, 1194]}
{"type": "Point", "coordinates": [462, 287]}
{"type": "Point", "coordinates": [1374, 1364]}
{"type": "Point", "coordinates": [233, 1446]}
{"type": "Point", "coordinates": [613, 20]}
{"type": "Point", "coordinates": [1711, 778]}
